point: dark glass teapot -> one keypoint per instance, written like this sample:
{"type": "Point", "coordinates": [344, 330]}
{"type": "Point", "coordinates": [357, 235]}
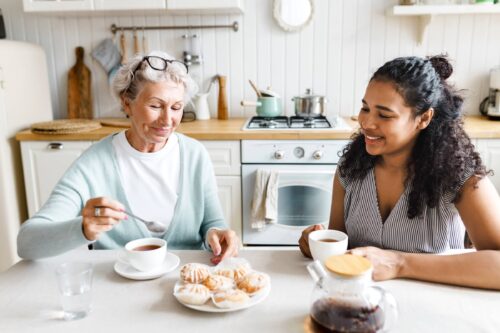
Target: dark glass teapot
{"type": "Point", "coordinates": [344, 300]}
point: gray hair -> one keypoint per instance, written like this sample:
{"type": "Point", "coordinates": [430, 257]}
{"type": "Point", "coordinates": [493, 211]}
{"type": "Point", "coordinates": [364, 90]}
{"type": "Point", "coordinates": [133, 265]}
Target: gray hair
{"type": "Point", "coordinates": [128, 85]}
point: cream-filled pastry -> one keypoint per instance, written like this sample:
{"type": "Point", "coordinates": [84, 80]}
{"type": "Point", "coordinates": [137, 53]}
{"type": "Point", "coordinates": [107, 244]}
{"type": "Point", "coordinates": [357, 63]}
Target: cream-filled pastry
{"type": "Point", "coordinates": [230, 298]}
{"type": "Point", "coordinates": [194, 273]}
{"type": "Point", "coordinates": [235, 273]}
{"type": "Point", "coordinates": [218, 282]}
{"type": "Point", "coordinates": [254, 282]}
{"type": "Point", "coordinates": [190, 293]}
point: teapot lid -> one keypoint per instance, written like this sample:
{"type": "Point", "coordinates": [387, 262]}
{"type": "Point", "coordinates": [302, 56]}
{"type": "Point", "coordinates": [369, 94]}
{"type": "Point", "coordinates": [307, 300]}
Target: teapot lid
{"type": "Point", "coordinates": [348, 265]}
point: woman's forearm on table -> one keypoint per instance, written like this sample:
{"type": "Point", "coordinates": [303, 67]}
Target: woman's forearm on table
{"type": "Point", "coordinates": [479, 269]}
{"type": "Point", "coordinates": [40, 239]}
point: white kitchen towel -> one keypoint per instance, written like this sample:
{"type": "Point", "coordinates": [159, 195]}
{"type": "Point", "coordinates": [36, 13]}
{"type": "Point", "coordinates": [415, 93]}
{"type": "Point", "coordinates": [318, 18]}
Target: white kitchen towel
{"type": "Point", "coordinates": [265, 199]}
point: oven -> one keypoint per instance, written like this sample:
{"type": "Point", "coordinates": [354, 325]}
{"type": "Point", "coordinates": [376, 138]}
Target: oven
{"type": "Point", "coordinates": [305, 170]}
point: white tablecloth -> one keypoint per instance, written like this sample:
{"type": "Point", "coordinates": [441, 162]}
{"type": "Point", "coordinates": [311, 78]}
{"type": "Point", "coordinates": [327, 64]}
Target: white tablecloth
{"type": "Point", "coordinates": [29, 300]}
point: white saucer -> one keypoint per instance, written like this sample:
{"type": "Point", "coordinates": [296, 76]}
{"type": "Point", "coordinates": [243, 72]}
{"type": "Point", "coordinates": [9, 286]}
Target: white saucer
{"type": "Point", "coordinates": [171, 262]}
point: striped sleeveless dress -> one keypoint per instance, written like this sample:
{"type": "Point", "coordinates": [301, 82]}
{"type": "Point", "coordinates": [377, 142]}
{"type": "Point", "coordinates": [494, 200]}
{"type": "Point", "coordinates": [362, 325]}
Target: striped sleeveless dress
{"type": "Point", "coordinates": [436, 230]}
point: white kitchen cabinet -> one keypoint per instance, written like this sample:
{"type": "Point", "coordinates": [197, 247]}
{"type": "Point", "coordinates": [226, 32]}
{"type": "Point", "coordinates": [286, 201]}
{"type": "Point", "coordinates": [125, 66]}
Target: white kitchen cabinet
{"type": "Point", "coordinates": [44, 163]}
{"type": "Point", "coordinates": [57, 5]}
{"type": "Point", "coordinates": [205, 6]}
{"type": "Point", "coordinates": [230, 198]}
{"type": "Point", "coordinates": [128, 4]}
{"type": "Point", "coordinates": [490, 154]}
{"type": "Point", "coordinates": [169, 6]}
{"type": "Point", "coordinates": [225, 156]}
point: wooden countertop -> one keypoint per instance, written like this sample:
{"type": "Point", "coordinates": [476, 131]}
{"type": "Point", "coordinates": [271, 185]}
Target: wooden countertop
{"type": "Point", "coordinates": [476, 126]}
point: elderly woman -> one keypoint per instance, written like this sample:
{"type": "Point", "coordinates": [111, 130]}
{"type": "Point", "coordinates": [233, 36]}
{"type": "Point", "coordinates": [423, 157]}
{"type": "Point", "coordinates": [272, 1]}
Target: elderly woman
{"type": "Point", "coordinates": [148, 170]}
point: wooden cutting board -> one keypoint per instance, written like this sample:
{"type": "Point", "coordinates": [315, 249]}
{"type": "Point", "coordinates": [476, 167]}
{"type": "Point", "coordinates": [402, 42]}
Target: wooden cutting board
{"type": "Point", "coordinates": [115, 122]}
{"type": "Point", "coordinates": [79, 89]}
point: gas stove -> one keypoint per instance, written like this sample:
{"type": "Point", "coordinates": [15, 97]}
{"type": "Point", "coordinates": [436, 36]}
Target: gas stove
{"type": "Point", "coordinates": [295, 123]}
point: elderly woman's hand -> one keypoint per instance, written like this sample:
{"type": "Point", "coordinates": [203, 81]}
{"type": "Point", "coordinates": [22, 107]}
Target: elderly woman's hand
{"type": "Point", "coordinates": [224, 244]}
{"type": "Point", "coordinates": [101, 215]}
{"type": "Point", "coordinates": [304, 239]}
{"type": "Point", "coordinates": [387, 264]}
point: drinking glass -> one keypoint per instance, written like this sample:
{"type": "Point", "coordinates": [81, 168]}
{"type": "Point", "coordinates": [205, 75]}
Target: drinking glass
{"type": "Point", "coordinates": [75, 289]}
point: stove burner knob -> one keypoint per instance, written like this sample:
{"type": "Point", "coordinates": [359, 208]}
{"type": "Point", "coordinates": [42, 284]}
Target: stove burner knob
{"type": "Point", "coordinates": [279, 154]}
{"type": "Point", "coordinates": [317, 155]}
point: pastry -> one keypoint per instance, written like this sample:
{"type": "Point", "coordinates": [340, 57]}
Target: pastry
{"type": "Point", "coordinates": [230, 298]}
{"type": "Point", "coordinates": [253, 282]}
{"type": "Point", "coordinates": [194, 273]}
{"type": "Point", "coordinates": [195, 294]}
{"type": "Point", "coordinates": [235, 273]}
{"type": "Point", "coordinates": [218, 282]}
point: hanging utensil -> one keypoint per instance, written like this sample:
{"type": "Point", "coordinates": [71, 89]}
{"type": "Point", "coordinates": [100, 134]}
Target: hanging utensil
{"type": "Point", "coordinates": [123, 47]}
{"type": "Point", "coordinates": [255, 88]}
{"type": "Point", "coordinates": [144, 42]}
{"type": "Point", "coordinates": [136, 43]}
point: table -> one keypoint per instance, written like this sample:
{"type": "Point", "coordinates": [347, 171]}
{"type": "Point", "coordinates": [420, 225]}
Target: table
{"type": "Point", "coordinates": [29, 300]}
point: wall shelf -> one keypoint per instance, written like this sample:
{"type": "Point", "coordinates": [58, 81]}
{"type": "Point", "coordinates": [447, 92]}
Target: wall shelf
{"type": "Point", "coordinates": [427, 12]}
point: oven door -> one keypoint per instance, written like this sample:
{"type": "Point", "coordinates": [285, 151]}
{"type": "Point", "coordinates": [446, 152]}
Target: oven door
{"type": "Point", "coordinates": [304, 199]}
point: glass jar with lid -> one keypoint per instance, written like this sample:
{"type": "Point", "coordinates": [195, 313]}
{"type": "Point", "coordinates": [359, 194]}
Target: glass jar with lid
{"type": "Point", "coordinates": [345, 300]}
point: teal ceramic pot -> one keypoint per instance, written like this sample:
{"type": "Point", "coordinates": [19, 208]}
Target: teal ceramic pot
{"type": "Point", "coordinates": [269, 107]}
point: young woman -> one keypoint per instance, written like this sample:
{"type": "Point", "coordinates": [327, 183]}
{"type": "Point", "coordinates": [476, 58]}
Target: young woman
{"type": "Point", "coordinates": [410, 180]}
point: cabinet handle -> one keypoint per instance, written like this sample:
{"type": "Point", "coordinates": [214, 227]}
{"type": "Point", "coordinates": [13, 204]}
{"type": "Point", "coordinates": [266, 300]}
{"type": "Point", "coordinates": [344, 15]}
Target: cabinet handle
{"type": "Point", "coordinates": [55, 145]}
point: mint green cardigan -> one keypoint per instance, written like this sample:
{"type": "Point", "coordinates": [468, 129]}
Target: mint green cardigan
{"type": "Point", "coordinates": [57, 226]}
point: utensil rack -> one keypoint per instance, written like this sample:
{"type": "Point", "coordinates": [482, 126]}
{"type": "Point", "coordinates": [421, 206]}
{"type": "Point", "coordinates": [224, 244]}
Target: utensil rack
{"type": "Point", "coordinates": [114, 28]}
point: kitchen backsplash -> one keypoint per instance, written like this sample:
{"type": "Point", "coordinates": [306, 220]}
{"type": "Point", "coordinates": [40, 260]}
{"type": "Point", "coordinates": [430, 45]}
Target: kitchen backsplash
{"type": "Point", "coordinates": [335, 55]}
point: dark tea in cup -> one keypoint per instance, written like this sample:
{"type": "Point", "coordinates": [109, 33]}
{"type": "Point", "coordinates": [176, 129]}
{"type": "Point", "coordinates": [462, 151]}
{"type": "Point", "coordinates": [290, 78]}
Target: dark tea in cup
{"type": "Point", "coordinates": [146, 248]}
{"type": "Point", "coordinates": [328, 240]}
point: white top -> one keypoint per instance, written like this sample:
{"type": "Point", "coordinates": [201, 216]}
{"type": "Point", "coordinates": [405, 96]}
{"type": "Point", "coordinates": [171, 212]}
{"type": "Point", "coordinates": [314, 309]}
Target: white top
{"type": "Point", "coordinates": [29, 300]}
{"type": "Point", "coordinates": [150, 180]}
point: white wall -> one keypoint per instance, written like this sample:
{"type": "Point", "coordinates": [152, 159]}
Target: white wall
{"type": "Point", "coordinates": [335, 55]}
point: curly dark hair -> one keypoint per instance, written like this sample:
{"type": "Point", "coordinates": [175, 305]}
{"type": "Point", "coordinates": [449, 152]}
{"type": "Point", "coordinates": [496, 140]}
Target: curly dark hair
{"type": "Point", "coordinates": [443, 155]}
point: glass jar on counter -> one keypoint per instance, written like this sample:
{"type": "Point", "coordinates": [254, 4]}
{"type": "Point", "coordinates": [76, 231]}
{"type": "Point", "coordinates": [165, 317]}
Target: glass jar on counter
{"type": "Point", "coordinates": [345, 300]}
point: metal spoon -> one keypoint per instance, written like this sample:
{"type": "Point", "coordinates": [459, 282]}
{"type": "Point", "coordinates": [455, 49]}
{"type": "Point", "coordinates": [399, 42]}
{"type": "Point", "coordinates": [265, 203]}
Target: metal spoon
{"type": "Point", "coordinates": [151, 225]}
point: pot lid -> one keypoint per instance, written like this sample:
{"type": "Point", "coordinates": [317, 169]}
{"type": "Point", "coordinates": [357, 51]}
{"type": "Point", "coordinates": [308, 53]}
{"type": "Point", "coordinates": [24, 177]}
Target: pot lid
{"type": "Point", "coordinates": [308, 95]}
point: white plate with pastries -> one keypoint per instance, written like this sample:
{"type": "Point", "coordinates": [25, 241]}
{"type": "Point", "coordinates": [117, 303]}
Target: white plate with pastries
{"type": "Point", "coordinates": [209, 305]}
{"type": "Point", "coordinates": [230, 286]}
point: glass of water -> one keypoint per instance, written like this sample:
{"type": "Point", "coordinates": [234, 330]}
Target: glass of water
{"type": "Point", "coordinates": [75, 289]}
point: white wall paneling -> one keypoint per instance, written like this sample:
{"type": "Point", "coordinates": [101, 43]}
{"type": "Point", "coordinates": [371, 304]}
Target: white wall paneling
{"type": "Point", "coordinates": [335, 55]}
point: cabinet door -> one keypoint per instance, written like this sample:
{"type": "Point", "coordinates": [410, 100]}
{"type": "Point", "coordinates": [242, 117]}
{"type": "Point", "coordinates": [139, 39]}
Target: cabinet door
{"type": "Point", "coordinates": [490, 154]}
{"type": "Point", "coordinates": [225, 156]}
{"type": "Point", "coordinates": [44, 163]}
{"type": "Point", "coordinates": [56, 5]}
{"type": "Point", "coordinates": [230, 199]}
{"type": "Point", "coordinates": [128, 4]}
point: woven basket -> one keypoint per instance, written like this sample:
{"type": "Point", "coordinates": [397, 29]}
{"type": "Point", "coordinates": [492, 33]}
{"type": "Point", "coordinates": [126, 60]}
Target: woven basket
{"type": "Point", "coordinates": [65, 126]}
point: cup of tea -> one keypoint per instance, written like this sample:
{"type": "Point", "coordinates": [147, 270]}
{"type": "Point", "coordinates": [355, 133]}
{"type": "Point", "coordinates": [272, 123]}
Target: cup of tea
{"type": "Point", "coordinates": [145, 254]}
{"type": "Point", "coordinates": [326, 243]}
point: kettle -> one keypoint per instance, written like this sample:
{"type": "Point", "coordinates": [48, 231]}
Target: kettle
{"type": "Point", "coordinates": [344, 300]}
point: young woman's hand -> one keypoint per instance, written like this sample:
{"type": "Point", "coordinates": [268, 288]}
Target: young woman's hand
{"type": "Point", "coordinates": [304, 239]}
{"type": "Point", "coordinates": [224, 244]}
{"type": "Point", "coordinates": [101, 215]}
{"type": "Point", "coordinates": [387, 264]}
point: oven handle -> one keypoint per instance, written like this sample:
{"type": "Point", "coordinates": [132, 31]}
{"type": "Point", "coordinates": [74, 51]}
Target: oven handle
{"type": "Point", "coordinates": [323, 172]}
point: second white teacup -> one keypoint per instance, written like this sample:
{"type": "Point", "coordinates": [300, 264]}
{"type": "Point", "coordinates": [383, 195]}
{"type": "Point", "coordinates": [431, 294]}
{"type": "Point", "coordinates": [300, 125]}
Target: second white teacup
{"type": "Point", "coordinates": [145, 254]}
{"type": "Point", "coordinates": [326, 243]}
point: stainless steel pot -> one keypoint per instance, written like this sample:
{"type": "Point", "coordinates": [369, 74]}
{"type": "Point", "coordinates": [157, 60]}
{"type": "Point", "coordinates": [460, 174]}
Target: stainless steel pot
{"type": "Point", "coordinates": [309, 105]}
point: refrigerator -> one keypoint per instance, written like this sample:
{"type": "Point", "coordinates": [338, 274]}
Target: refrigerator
{"type": "Point", "coordinates": [24, 99]}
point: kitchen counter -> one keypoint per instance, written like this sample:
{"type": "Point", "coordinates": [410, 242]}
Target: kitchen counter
{"type": "Point", "coordinates": [476, 126]}
{"type": "Point", "coordinates": [29, 300]}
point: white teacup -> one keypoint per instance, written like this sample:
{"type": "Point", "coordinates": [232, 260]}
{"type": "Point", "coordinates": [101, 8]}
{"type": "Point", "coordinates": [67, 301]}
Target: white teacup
{"type": "Point", "coordinates": [145, 254]}
{"type": "Point", "coordinates": [326, 243]}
